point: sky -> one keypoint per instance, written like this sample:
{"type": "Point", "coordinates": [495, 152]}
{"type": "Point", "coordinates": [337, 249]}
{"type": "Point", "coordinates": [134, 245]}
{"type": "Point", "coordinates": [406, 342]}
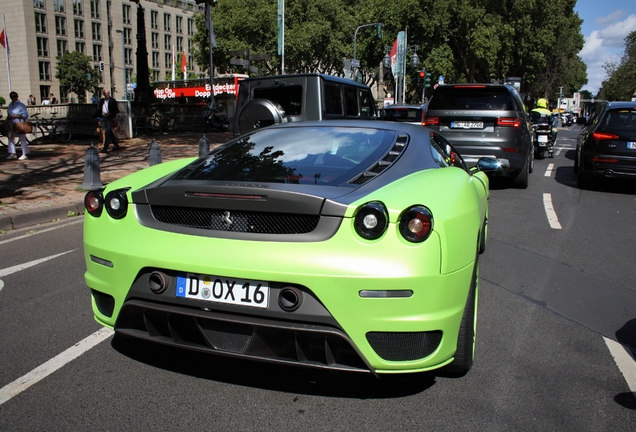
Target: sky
{"type": "Point", "coordinates": [606, 23]}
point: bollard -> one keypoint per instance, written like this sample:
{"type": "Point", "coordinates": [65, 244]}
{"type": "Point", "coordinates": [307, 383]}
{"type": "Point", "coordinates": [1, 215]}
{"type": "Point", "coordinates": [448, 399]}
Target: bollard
{"type": "Point", "coordinates": [204, 146]}
{"type": "Point", "coordinates": [155, 153]}
{"type": "Point", "coordinates": [91, 169]}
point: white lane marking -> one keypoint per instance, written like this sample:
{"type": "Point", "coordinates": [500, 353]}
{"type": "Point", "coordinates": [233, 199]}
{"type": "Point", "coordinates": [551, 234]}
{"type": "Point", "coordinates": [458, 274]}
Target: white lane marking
{"type": "Point", "coordinates": [624, 361]}
{"type": "Point", "coordinates": [46, 369]}
{"type": "Point", "coordinates": [548, 172]}
{"type": "Point", "coordinates": [549, 211]}
{"type": "Point", "coordinates": [9, 270]}
{"type": "Point", "coordinates": [81, 219]}
{"type": "Point", "coordinates": [558, 152]}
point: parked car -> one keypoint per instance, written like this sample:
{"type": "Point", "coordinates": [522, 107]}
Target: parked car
{"type": "Point", "coordinates": [403, 113]}
{"type": "Point", "coordinates": [268, 100]}
{"type": "Point", "coordinates": [606, 146]}
{"type": "Point", "coordinates": [485, 120]}
{"type": "Point", "coordinates": [343, 245]}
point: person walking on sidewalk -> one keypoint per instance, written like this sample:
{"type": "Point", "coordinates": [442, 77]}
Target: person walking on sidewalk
{"type": "Point", "coordinates": [107, 110]}
{"type": "Point", "coordinates": [17, 112]}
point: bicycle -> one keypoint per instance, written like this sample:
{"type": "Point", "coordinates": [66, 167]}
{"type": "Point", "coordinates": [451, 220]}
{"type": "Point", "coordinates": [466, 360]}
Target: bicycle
{"type": "Point", "coordinates": [51, 127]}
{"type": "Point", "coordinates": [156, 123]}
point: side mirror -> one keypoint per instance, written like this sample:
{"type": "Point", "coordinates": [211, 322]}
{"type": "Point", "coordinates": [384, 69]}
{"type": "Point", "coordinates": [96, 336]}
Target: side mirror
{"type": "Point", "coordinates": [490, 165]}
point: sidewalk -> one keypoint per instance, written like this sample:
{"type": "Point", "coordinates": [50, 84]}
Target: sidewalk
{"type": "Point", "coordinates": [46, 187]}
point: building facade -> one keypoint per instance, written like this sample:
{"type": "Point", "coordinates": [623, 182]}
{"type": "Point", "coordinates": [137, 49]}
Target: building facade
{"type": "Point", "coordinates": [105, 30]}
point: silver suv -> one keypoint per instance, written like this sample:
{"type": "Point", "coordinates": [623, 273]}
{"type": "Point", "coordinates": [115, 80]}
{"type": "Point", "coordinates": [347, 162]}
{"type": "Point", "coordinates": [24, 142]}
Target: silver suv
{"type": "Point", "coordinates": [485, 120]}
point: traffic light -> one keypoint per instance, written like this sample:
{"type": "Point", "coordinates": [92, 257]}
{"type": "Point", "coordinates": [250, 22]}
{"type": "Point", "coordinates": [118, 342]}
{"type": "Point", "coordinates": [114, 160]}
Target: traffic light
{"type": "Point", "coordinates": [378, 31]}
{"type": "Point", "coordinates": [101, 66]}
{"type": "Point", "coordinates": [427, 79]}
{"type": "Point", "coordinates": [421, 75]}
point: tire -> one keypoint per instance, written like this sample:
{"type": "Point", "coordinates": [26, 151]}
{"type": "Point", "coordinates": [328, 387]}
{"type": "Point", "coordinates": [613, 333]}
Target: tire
{"type": "Point", "coordinates": [61, 131]}
{"type": "Point", "coordinates": [576, 166]}
{"type": "Point", "coordinates": [465, 353]}
{"type": "Point", "coordinates": [260, 113]}
{"type": "Point", "coordinates": [531, 167]}
{"type": "Point", "coordinates": [521, 179]}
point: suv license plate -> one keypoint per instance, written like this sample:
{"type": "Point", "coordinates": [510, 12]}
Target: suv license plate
{"type": "Point", "coordinates": [223, 290]}
{"type": "Point", "coordinates": [467, 125]}
{"type": "Point", "coordinates": [631, 145]}
{"type": "Point", "coordinates": [542, 138]}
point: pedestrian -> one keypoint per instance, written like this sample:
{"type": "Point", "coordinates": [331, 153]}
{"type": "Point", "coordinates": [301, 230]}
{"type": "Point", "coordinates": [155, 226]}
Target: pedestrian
{"type": "Point", "coordinates": [53, 99]}
{"type": "Point", "coordinates": [17, 112]}
{"type": "Point", "coordinates": [31, 100]}
{"type": "Point", "coordinates": [94, 99]}
{"type": "Point", "coordinates": [107, 110]}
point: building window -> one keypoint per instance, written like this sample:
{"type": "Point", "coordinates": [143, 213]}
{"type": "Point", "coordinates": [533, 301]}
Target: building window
{"type": "Point", "coordinates": [127, 36]}
{"type": "Point", "coordinates": [155, 75]}
{"type": "Point", "coordinates": [40, 22]}
{"type": "Point", "coordinates": [155, 40]}
{"type": "Point", "coordinates": [128, 56]}
{"type": "Point", "coordinates": [58, 5]}
{"type": "Point", "coordinates": [62, 46]}
{"type": "Point", "coordinates": [45, 71]}
{"type": "Point", "coordinates": [168, 60]}
{"type": "Point", "coordinates": [39, 4]}
{"type": "Point", "coordinates": [77, 8]}
{"type": "Point", "coordinates": [94, 8]}
{"type": "Point", "coordinates": [43, 46]}
{"type": "Point", "coordinates": [179, 24]}
{"type": "Point", "coordinates": [167, 42]}
{"type": "Point", "coordinates": [166, 22]}
{"type": "Point", "coordinates": [155, 59]}
{"type": "Point", "coordinates": [154, 18]}
{"type": "Point", "coordinates": [125, 11]}
{"type": "Point", "coordinates": [97, 31]}
{"type": "Point", "coordinates": [60, 25]}
{"type": "Point", "coordinates": [190, 27]}
{"type": "Point", "coordinates": [179, 43]}
{"type": "Point", "coordinates": [80, 47]}
{"type": "Point", "coordinates": [97, 52]}
{"type": "Point", "coordinates": [79, 29]}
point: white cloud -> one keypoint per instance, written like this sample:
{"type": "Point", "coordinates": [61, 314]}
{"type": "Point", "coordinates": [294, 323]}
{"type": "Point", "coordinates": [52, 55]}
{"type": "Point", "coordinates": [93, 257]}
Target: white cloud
{"type": "Point", "coordinates": [605, 45]}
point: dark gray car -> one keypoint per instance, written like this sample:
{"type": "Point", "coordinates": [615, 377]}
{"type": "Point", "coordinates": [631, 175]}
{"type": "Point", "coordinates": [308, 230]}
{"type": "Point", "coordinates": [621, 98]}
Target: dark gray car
{"type": "Point", "coordinates": [485, 120]}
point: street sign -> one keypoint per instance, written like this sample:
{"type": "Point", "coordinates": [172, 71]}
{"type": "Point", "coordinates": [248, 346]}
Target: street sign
{"type": "Point", "coordinates": [254, 69]}
{"type": "Point", "coordinates": [240, 62]}
{"type": "Point", "coordinates": [239, 53]}
{"type": "Point", "coordinates": [259, 57]}
{"type": "Point", "coordinates": [355, 63]}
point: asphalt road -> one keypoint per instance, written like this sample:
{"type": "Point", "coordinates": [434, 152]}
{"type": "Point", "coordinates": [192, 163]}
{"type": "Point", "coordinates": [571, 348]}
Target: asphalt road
{"type": "Point", "coordinates": [553, 301]}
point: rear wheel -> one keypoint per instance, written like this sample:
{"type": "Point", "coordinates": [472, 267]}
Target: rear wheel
{"type": "Point", "coordinates": [61, 131]}
{"type": "Point", "coordinates": [465, 353]}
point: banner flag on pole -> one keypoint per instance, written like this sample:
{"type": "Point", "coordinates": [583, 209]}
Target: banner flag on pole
{"type": "Point", "coordinates": [4, 41]}
{"type": "Point", "coordinates": [394, 53]}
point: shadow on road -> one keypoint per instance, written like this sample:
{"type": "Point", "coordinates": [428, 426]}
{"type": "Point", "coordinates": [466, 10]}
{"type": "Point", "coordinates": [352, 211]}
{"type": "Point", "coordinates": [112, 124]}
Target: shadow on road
{"type": "Point", "coordinates": [271, 376]}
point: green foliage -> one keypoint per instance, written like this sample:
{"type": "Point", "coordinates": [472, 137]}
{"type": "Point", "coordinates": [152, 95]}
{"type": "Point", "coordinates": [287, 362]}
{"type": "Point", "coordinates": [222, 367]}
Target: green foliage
{"type": "Point", "coordinates": [464, 40]}
{"type": "Point", "coordinates": [621, 77]}
{"type": "Point", "coordinates": [76, 73]}
{"type": "Point", "coordinates": [2, 101]}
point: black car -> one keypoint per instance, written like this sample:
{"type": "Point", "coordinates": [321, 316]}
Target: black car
{"type": "Point", "coordinates": [606, 147]}
{"type": "Point", "coordinates": [485, 120]}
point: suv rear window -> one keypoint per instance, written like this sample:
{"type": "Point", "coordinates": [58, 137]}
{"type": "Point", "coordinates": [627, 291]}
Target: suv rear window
{"type": "Point", "coordinates": [289, 97]}
{"type": "Point", "coordinates": [472, 98]}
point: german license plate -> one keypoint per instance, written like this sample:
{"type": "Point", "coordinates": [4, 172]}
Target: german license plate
{"type": "Point", "coordinates": [542, 138]}
{"type": "Point", "coordinates": [223, 290]}
{"type": "Point", "coordinates": [631, 145]}
{"type": "Point", "coordinates": [467, 125]}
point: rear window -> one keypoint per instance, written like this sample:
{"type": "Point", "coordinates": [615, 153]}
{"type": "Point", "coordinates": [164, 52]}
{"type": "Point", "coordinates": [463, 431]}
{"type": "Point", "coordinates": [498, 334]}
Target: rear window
{"type": "Point", "coordinates": [402, 114]}
{"type": "Point", "coordinates": [290, 97]}
{"type": "Point", "coordinates": [471, 98]}
{"type": "Point", "coordinates": [619, 119]}
{"type": "Point", "coordinates": [301, 155]}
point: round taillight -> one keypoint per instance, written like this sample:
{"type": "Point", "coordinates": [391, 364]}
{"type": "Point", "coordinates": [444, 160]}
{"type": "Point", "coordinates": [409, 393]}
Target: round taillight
{"type": "Point", "coordinates": [94, 203]}
{"type": "Point", "coordinates": [371, 220]}
{"type": "Point", "coordinates": [416, 224]}
{"type": "Point", "coordinates": [116, 203]}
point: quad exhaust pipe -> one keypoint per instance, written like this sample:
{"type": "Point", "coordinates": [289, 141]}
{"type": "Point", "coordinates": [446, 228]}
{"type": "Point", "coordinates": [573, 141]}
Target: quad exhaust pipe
{"type": "Point", "coordinates": [609, 173]}
{"type": "Point", "coordinates": [290, 299]}
{"type": "Point", "coordinates": [158, 282]}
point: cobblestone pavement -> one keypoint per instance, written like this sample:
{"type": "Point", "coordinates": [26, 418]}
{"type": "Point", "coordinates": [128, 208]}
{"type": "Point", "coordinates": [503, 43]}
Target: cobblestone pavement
{"type": "Point", "coordinates": [53, 174]}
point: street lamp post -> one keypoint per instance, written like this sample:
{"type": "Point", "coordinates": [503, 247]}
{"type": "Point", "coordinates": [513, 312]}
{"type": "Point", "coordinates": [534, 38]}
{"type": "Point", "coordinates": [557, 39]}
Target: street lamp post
{"type": "Point", "coordinates": [355, 63]}
{"type": "Point", "coordinates": [123, 63]}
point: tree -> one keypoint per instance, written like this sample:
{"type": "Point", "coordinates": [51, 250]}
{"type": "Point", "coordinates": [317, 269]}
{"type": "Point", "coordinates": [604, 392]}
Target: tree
{"type": "Point", "coordinates": [76, 74]}
{"type": "Point", "coordinates": [621, 76]}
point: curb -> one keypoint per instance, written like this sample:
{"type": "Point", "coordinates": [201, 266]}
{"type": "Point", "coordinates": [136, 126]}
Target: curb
{"type": "Point", "coordinates": [39, 216]}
